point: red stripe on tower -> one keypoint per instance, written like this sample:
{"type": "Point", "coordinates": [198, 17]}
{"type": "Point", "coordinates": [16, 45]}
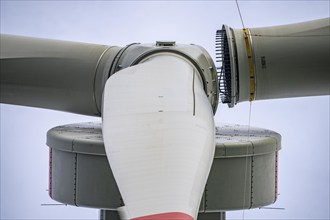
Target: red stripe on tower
{"type": "Point", "coordinates": [50, 172]}
{"type": "Point", "coordinates": [166, 216]}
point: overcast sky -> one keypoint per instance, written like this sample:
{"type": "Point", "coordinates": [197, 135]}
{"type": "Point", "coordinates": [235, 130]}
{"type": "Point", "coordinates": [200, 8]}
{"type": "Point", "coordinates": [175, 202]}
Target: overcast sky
{"type": "Point", "coordinates": [302, 122]}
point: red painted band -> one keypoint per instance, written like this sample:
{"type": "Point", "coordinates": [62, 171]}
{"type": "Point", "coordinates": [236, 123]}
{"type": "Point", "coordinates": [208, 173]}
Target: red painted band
{"type": "Point", "coordinates": [50, 175]}
{"type": "Point", "coordinates": [166, 216]}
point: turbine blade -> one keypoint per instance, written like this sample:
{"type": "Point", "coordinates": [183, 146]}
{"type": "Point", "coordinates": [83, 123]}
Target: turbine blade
{"type": "Point", "coordinates": [158, 130]}
{"type": "Point", "coordinates": [54, 74]}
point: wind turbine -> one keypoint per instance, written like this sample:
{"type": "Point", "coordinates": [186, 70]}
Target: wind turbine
{"type": "Point", "coordinates": [157, 103]}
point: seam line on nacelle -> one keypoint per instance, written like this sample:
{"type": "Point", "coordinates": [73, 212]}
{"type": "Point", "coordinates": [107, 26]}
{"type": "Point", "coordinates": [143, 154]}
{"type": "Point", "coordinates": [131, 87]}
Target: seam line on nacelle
{"type": "Point", "coordinates": [95, 72]}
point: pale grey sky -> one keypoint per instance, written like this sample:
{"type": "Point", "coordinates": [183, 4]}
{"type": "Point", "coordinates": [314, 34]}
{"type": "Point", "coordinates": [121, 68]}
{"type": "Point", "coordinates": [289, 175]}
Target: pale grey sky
{"type": "Point", "coordinates": [302, 122]}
